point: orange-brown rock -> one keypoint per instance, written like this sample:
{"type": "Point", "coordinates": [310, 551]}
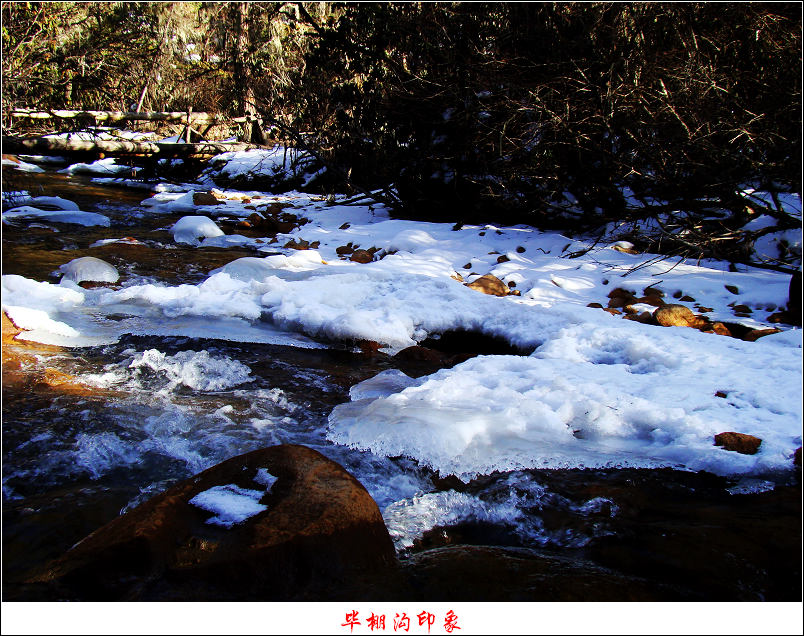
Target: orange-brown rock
{"type": "Point", "coordinates": [489, 284]}
{"type": "Point", "coordinates": [321, 532]}
{"type": "Point", "coordinates": [672, 315]}
{"type": "Point", "coordinates": [653, 291]}
{"type": "Point", "coordinates": [204, 198]}
{"type": "Point", "coordinates": [301, 244]}
{"type": "Point", "coordinates": [756, 334]}
{"type": "Point", "coordinates": [595, 305]}
{"type": "Point", "coordinates": [720, 329]}
{"type": "Point", "coordinates": [361, 256]}
{"type": "Point", "coordinates": [738, 442]}
{"type": "Point", "coordinates": [620, 297]}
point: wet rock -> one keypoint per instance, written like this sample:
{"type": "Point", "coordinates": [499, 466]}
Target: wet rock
{"type": "Point", "coordinates": [595, 305]}
{"type": "Point", "coordinates": [483, 573]}
{"type": "Point", "coordinates": [319, 536]}
{"type": "Point", "coordinates": [675, 316]}
{"type": "Point", "coordinates": [732, 289]}
{"type": "Point", "coordinates": [204, 198]}
{"type": "Point", "coordinates": [503, 259]}
{"type": "Point", "coordinates": [489, 284]}
{"type": "Point", "coordinates": [738, 442]}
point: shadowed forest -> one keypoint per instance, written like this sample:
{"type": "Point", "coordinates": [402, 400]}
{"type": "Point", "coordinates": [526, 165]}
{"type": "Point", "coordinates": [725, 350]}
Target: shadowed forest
{"type": "Point", "coordinates": [564, 116]}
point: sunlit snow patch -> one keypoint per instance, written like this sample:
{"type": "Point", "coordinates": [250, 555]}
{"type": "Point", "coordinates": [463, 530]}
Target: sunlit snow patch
{"type": "Point", "coordinates": [230, 504]}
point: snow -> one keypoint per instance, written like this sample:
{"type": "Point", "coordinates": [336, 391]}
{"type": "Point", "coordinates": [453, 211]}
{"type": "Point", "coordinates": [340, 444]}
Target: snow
{"type": "Point", "coordinates": [595, 391]}
{"type": "Point", "coordinates": [100, 167]}
{"type": "Point", "coordinates": [230, 504]}
{"type": "Point", "coordinates": [89, 268]}
{"type": "Point", "coordinates": [190, 229]}
{"type": "Point", "coordinates": [277, 162]}
{"type": "Point", "coordinates": [615, 397]}
{"type": "Point", "coordinates": [58, 216]}
{"type": "Point", "coordinates": [22, 166]}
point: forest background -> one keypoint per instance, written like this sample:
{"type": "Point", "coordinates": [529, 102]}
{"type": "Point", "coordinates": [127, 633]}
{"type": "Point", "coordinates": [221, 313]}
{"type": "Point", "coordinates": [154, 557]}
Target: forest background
{"type": "Point", "coordinates": [570, 116]}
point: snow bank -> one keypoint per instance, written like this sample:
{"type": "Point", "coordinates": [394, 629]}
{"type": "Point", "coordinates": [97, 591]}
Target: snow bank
{"type": "Point", "coordinates": [626, 396]}
{"type": "Point", "coordinates": [100, 167]}
{"type": "Point", "coordinates": [58, 216]}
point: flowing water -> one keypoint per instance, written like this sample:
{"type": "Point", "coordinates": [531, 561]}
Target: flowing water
{"type": "Point", "coordinates": [123, 421]}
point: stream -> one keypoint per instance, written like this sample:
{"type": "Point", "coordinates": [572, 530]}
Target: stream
{"type": "Point", "coordinates": [128, 419]}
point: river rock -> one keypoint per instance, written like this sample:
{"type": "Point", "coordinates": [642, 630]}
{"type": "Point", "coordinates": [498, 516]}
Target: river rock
{"type": "Point", "coordinates": [672, 315]}
{"type": "Point", "coordinates": [756, 334]}
{"type": "Point", "coordinates": [620, 297]}
{"type": "Point", "coordinates": [361, 256]}
{"type": "Point", "coordinates": [318, 536]}
{"type": "Point", "coordinates": [738, 442]}
{"type": "Point", "coordinates": [489, 284]}
{"type": "Point", "coordinates": [484, 573]}
{"type": "Point", "coordinates": [204, 198]}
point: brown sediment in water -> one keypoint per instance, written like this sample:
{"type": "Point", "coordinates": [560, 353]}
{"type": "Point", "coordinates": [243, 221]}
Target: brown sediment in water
{"type": "Point", "coordinates": [27, 366]}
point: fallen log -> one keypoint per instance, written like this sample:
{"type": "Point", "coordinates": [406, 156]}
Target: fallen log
{"type": "Point", "coordinates": [117, 148]}
{"type": "Point", "coordinates": [113, 116]}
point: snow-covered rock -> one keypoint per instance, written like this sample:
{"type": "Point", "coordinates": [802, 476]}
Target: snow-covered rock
{"type": "Point", "coordinates": [191, 229]}
{"type": "Point", "coordinates": [89, 268]}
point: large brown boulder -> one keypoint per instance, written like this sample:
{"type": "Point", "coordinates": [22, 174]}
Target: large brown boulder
{"type": "Point", "coordinates": [320, 537]}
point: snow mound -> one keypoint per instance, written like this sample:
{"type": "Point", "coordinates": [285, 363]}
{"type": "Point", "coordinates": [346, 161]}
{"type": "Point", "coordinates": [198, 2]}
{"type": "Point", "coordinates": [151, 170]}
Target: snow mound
{"type": "Point", "coordinates": [190, 229]}
{"type": "Point", "coordinates": [76, 217]}
{"type": "Point", "coordinates": [89, 268]}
